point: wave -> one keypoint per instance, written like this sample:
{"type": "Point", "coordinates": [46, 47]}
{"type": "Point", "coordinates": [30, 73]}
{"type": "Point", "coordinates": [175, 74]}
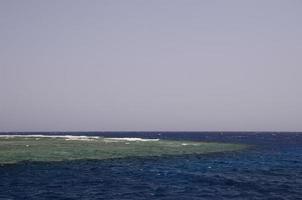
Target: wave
{"type": "Point", "coordinates": [133, 139]}
{"type": "Point", "coordinates": [85, 138]}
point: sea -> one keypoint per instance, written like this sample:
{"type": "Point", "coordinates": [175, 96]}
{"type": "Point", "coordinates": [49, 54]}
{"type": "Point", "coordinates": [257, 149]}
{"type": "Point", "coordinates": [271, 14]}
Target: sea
{"type": "Point", "coordinates": [270, 168]}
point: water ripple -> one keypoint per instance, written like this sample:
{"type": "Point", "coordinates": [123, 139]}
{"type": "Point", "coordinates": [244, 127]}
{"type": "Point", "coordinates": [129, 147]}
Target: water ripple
{"type": "Point", "coordinates": [266, 172]}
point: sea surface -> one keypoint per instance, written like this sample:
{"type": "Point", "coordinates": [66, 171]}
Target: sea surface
{"type": "Point", "coordinates": [271, 168]}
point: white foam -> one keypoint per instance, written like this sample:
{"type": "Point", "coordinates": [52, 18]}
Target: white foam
{"type": "Point", "coordinates": [133, 139]}
{"type": "Point", "coordinates": [66, 137]}
{"type": "Point", "coordinates": [191, 144]}
{"type": "Point", "coordinates": [84, 138]}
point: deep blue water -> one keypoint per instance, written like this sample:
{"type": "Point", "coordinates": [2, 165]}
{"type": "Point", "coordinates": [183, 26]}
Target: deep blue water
{"type": "Point", "coordinates": [270, 169]}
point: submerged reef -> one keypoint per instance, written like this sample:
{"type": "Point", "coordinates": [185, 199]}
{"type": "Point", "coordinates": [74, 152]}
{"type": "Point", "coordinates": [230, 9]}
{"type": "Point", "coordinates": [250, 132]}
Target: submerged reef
{"type": "Point", "coordinates": [18, 148]}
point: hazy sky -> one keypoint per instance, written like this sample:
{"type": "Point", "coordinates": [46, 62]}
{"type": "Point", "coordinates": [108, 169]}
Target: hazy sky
{"type": "Point", "coordinates": [151, 65]}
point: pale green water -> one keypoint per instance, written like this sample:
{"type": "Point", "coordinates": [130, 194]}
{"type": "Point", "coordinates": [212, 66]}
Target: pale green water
{"type": "Point", "coordinates": [35, 148]}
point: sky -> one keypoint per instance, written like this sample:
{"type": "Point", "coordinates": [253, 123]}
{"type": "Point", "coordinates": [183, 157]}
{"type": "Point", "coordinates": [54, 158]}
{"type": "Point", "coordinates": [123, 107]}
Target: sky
{"type": "Point", "coordinates": [160, 65]}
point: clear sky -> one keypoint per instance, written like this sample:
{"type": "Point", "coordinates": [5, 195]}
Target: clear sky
{"type": "Point", "coordinates": [151, 65]}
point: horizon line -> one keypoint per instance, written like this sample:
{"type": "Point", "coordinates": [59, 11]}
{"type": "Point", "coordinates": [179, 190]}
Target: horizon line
{"type": "Point", "coordinates": [171, 131]}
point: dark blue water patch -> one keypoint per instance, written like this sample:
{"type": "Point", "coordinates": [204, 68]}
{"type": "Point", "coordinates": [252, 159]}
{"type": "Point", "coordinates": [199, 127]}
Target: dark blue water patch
{"type": "Point", "coordinates": [270, 170]}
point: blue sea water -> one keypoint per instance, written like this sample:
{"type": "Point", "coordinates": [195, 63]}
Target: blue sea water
{"type": "Point", "coordinates": [270, 169]}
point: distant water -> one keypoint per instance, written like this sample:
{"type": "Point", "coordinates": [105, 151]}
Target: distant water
{"type": "Point", "coordinates": [270, 169]}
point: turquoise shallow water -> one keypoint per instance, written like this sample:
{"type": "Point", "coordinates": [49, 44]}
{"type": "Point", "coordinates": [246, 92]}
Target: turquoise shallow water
{"type": "Point", "coordinates": [270, 169]}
